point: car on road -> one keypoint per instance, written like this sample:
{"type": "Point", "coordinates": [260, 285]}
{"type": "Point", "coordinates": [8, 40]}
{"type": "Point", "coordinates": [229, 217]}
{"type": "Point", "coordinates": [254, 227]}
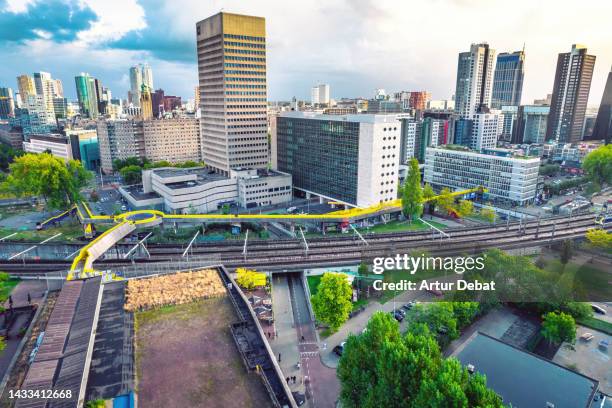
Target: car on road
{"type": "Point", "coordinates": [587, 336]}
{"type": "Point", "coordinates": [339, 349]}
{"type": "Point", "coordinates": [598, 309]}
{"type": "Point", "coordinates": [397, 315]}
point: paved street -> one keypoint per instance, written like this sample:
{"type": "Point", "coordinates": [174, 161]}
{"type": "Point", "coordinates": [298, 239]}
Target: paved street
{"type": "Point", "coordinates": [359, 322]}
{"type": "Point", "coordinates": [296, 341]}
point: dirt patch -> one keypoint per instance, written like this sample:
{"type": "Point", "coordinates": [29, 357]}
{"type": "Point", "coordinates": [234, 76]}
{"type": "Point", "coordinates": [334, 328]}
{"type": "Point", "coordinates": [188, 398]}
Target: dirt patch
{"type": "Point", "coordinates": [174, 289]}
{"type": "Point", "coordinates": [186, 357]}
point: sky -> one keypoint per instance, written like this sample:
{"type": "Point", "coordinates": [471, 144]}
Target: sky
{"type": "Point", "coordinates": [356, 46]}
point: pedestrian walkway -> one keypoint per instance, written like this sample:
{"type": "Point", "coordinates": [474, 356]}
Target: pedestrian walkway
{"type": "Point", "coordinates": [296, 341]}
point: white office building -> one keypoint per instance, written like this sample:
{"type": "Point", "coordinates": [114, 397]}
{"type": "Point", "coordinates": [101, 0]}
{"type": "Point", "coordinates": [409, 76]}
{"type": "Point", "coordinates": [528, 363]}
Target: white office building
{"type": "Point", "coordinates": [319, 94]}
{"type": "Point", "coordinates": [508, 178]}
{"type": "Point", "coordinates": [198, 190]}
{"type": "Point", "coordinates": [353, 159]}
{"type": "Point", "coordinates": [486, 128]}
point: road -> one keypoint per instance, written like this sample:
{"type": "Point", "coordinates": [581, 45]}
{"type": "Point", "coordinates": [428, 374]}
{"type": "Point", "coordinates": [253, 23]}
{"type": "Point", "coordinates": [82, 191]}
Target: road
{"type": "Point", "coordinates": [296, 340]}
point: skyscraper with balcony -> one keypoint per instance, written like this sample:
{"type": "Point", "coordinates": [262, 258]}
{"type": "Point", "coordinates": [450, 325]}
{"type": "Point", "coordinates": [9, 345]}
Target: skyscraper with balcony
{"type": "Point", "coordinates": [508, 80]}
{"type": "Point", "coordinates": [474, 80]}
{"type": "Point", "coordinates": [570, 95]}
{"type": "Point", "coordinates": [232, 79]}
{"type": "Point", "coordinates": [603, 124]}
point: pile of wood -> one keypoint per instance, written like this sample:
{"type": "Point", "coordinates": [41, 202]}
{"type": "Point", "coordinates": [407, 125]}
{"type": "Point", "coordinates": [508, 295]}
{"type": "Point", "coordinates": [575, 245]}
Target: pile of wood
{"type": "Point", "coordinates": [175, 289]}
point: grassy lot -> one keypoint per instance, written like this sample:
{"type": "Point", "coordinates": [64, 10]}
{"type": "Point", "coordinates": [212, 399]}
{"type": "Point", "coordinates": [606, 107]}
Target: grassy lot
{"type": "Point", "coordinates": [186, 357]}
{"type": "Point", "coordinates": [596, 324]}
{"type": "Point", "coordinates": [397, 226]}
{"type": "Point", "coordinates": [588, 280]}
{"type": "Point", "coordinates": [71, 231]}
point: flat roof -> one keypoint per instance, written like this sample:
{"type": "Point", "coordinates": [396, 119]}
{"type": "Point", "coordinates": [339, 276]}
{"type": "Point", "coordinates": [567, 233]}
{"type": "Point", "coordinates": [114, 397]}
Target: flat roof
{"type": "Point", "coordinates": [525, 379]}
{"type": "Point", "coordinates": [357, 117]}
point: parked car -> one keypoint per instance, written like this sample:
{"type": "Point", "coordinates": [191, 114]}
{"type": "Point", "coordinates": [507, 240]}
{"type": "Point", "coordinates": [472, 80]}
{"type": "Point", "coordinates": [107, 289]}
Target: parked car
{"type": "Point", "coordinates": [604, 344]}
{"type": "Point", "coordinates": [598, 309]}
{"type": "Point", "coordinates": [397, 315]}
{"type": "Point", "coordinates": [339, 349]}
{"type": "Point", "coordinates": [587, 336]}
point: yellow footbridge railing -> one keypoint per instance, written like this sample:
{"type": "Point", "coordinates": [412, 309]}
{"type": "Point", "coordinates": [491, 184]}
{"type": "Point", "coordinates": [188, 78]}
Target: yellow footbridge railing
{"type": "Point", "coordinates": [84, 260]}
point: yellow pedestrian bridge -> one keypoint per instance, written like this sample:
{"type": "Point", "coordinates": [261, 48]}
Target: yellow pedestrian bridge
{"type": "Point", "coordinates": [127, 222]}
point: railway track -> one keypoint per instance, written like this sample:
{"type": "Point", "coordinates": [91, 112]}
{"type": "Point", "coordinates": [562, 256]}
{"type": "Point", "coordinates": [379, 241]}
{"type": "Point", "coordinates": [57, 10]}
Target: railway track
{"type": "Point", "coordinates": [341, 250]}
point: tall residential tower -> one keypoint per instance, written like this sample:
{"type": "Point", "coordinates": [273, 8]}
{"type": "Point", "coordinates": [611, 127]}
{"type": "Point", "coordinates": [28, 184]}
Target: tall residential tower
{"type": "Point", "coordinates": [603, 125]}
{"type": "Point", "coordinates": [232, 78]}
{"type": "Point", "coordinates": [570, 95]}
{"type": "Point", "coordinates": [474, 80]}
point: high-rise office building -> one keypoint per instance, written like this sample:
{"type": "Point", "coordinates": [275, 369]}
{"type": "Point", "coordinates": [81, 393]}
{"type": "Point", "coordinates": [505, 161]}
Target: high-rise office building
{"type": "Point", "coordinates": [508, 79]}
{"type": "Point", "coordinates": [47, 88]}
{"type": "Point", "coordinates": [603, 124]}
{"type": "Point", "coordinates": [119, 139]}
{"type": "Point", "coordinates": [486, 128]}
{"type": "Point", "coordinates": [319, 94]}
{"type": "Point", "coordinates": [140, 74]}
{"type": "Point", "coordinates": [146, 104]}
{"type": "Point", "coordinates": [531, 124]}
{"type": "Point", "coordinates": [34, 117]}
{"type": "Point", "coordinates": [570, 95]}
{"type": "Point", "coordinates": [147, 76]}
{"type": "Point", "coordinates": [474, 80]}
{"type": "Point", "coordinates": [508, 121]}
{"type": "Point", "coordinates": [26, 86]}
{"type": "Point", "coordinates": [7, 103]}
{"type": "Point", "coordinates": [232, 79]}
{"type": "Point", "coordinates": [351, 158]}
{"type": "Point", "coordinates": [175, 140]}
{"type": "Point", "coordinates": [419, 100]}
{"type": "Point", "coordinates": [87, 95]}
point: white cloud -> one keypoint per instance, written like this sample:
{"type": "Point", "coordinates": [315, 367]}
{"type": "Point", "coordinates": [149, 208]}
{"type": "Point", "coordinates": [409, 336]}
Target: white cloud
{"type": "Point", "coordinates": [115, 19]}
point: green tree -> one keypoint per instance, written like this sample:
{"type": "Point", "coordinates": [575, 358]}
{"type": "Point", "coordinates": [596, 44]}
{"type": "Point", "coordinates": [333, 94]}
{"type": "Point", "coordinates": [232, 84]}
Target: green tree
{"type": "Point", "coordinates": [382, 368]}
{"type": "Point", "coordinates": [598, 165]}
{"type": "Point", "coordinates": [118, 164]}
{"type": "Point", "coordinates": [599, 238]}
{"type": "Point", "coordinates": [549, 169]}
{"type": "Point", "coordinates": [363, 269]}
{"type": "Point", "coordinates": [488, 214]}
{"type": "Point", "coordinates": [439, 317]}
{"type": "Point", "coordinates": [428, 194]}
{"type": "Point", "coordinates": [44, 175]}
{"type": "Point", "coordinates": [566, 251]}
{"type": "Point", "coordinates": [445, 200]}
{"type": "Point", "coordinates": [131, 174]}
{"type": "Point", "coordinates": [558, 327]}
{"type": "Point", "coordinates": [332, 302]}
{"type": "Point", "coordinates": [412, 196]}
{"type": "Point", "coordinates": [465, 208]}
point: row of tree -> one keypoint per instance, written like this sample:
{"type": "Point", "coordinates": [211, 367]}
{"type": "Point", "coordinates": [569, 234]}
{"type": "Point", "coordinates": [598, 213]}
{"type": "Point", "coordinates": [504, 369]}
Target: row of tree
{"type": "Point", "coordinates": [415, 197]}
{"type": "Point", "coordinates": [383, 368]}
{"type": "Point", "coordinates": [43, 175]}
{"type": "Point", "coordinates": [132, 167]}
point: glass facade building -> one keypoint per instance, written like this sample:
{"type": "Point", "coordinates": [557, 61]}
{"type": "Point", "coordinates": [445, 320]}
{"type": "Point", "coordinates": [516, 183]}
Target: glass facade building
{"type": "Point", "coordinates": [321, 155]}
{"type": "Point", "coordinates": [508, 80]}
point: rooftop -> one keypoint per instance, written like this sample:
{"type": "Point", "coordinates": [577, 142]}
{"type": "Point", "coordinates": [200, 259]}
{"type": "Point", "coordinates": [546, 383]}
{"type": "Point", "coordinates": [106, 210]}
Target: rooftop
{"type": "Point", "coordinates": [524, 379]}
{"type": "Point", "coordinates": [359, 118]}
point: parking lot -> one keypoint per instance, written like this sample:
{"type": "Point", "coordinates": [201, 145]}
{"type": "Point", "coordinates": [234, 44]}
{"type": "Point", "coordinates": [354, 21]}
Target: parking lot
{"type": "Point", "coordinates": [110, 201]}
{"type": "Point", "coordinates": [588, 358]}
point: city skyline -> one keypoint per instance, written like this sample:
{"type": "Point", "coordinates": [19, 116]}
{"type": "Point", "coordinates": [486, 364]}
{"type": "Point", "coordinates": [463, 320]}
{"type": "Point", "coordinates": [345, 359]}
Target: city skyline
{"type": "Point", "coordinates": [106, 43]}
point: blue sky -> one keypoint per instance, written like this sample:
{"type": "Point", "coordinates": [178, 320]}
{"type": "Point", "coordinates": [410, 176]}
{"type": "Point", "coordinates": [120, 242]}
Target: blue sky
{"type": "Point", "coordinates": [354, 45]}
